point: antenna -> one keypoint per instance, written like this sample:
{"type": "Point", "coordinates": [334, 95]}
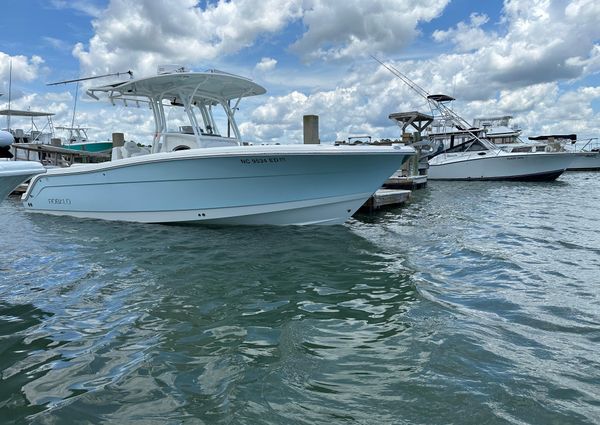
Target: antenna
{"type": "Point", "coordinates": [9, 94]}
{"type": "Point", "coordinates": [75, 105]}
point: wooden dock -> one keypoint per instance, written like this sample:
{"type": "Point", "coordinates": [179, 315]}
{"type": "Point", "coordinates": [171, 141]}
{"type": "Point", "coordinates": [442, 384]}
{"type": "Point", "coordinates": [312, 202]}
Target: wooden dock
{"type": "Point", "coordinates": [386, 198]}
{"type": "Point", "coordinates": [56, 155]}
{"type": "Point", "coordinates": [406, 182]}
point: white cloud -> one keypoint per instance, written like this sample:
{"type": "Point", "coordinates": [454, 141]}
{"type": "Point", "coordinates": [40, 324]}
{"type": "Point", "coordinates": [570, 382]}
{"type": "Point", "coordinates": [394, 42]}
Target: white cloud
{"type": "Point", "coordinates": [467, 37]}
{"type": "Point", "coordinates": [355, 28]}
{"type": "Point", "coordinates": [23, 68]}
{"type": "Point", "coordinates": [57, 43]}
{"type": "Point", "coordinates": [145, 33]}
{"type": "Point", "coordinates": [543, 41]}
{"type": "Point", "coordinates": [86, 7]}
{"type": "Point", "coordinates": [266, 64]}
{"type": "Point", "coordinates": [512, 68]}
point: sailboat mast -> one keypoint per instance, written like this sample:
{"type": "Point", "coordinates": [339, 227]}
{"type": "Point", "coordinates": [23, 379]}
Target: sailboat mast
{"type": "Point", "coordinates": [75, 106]}
{"type": "Point", "coordinates": [9, 94]}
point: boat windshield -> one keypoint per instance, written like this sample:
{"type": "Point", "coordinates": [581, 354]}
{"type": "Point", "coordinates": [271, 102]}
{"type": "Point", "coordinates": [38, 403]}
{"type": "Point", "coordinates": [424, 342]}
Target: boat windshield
{"type": "Point", "coordinates": [472, 145]}
{"type": "Point", "coordinates": [209, 101]}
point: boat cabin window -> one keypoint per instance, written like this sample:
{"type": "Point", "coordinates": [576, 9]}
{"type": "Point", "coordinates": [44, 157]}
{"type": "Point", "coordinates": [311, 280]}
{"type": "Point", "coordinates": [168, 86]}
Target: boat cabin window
{"type": "Point", "coordinates": [472, 145]}
{"type": "Point", "coordinates": [177, 120]}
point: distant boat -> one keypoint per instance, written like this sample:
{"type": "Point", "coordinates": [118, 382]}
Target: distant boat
{"type": "Point", "coordinates": [37, 132]}
{"type": "Point", "coordinates": [459, 151]}
{"type": "Point", "coordinates": [586, 154]}
{"type": "Point", "coordinates": [77, 139]}
{"type": "Point", "coordinates": [478, 159]}
{"type": "Point", "coordinates": [202, 175]}
{"type": "Point", "coordinates": [475, 158]}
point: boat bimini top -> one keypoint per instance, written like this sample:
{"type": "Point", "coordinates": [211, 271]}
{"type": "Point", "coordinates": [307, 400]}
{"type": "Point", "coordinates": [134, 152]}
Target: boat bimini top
{"type": "Point", "coordinates": [202, 90]}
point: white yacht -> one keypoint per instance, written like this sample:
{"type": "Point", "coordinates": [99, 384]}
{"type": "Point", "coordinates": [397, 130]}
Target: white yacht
{"type": "Point", "coordinates": [199, 174]}
{"type": "Point", "coordinates": [478, 159]}
{"type": "Point", "coordinates": [464, 152]}
{"type": "Point", "coordinates": [586, 154]}
{"type": "Point", "coordinates": [13, 173]}
{"type": "Point", "coordinates": [474, 157]}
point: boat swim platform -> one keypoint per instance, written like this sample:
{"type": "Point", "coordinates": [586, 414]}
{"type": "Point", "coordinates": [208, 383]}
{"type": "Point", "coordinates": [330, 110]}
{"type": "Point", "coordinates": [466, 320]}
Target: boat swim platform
{"type": "Point", "coordinates": [384, 198]}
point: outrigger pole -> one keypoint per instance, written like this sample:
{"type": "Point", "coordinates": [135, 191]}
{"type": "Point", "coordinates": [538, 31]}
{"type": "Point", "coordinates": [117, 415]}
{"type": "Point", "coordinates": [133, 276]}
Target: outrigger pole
{"type": "Point", "coordinates": [435, 101]}
{"type": "Point", "coordinates": [114, 74]}
{"type": "Point", "coordinates": [77, 80]}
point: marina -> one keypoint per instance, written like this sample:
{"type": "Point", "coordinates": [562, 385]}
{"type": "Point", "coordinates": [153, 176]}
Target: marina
{"type": "Point", "coordinates": [291, 212]}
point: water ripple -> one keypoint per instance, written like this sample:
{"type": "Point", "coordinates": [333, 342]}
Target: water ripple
{"type": "Point", "coordinates": [474, 304]}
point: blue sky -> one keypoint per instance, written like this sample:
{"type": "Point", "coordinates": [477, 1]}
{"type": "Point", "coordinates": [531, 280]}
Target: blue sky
{"type": "Point", "coordinates": [537, 60]}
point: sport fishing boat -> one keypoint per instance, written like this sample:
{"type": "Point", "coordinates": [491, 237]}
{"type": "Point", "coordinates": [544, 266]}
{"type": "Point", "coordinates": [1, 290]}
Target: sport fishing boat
{"type": "Point", "coordinates": [479, 159]}
{"type": "Point", "coordinates": [198, 174]}
{"type": "Point", "coordinates": [472, 156]}
{"type": "Point", "coordinates": [467, 153]}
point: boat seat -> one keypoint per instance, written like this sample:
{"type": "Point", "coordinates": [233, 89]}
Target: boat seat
{"type": "Point", "coordinates": [131, 149]}
{"type": "Point", "coordinates": [116, 154]}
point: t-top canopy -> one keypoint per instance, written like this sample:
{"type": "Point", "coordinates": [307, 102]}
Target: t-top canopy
{"type": "Point", "coordinates": [209, 85]}
{"type": "Point", "coordinates": [16, 113]}
{"type": "Point", "coordinates": [555, 136]}
{"type": "Point", "coordinates": [440, 98]}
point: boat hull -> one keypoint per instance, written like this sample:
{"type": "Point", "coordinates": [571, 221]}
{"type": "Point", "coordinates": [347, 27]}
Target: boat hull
{"type": "Point", "coordinates": [13, 173]}
{"type": "Point", "coordinates": [239, 186]}
{"type": "Point", "coordinates": [89, 146]}
{"type": "Point", "coordinates": [585, 161]}
{"type": "Point", "coordinates": [503, 166]}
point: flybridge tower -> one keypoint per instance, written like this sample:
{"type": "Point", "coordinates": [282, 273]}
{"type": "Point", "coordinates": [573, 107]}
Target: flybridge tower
{"type": "Point", "coordinates": [438, 103]}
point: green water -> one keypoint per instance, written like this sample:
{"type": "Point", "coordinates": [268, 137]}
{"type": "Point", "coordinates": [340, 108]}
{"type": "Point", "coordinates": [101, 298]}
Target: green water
{"type": "Point", "coordinates": [476, 303]}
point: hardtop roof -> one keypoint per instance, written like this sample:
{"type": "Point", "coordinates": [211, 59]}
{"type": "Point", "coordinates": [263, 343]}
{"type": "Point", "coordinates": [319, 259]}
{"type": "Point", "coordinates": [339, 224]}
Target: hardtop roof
{"type": "Point", "coordinates": [203, 85]}
{"type": "Point", "coordinates": [18, 113]}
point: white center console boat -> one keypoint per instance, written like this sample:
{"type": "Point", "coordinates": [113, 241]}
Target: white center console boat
{"type": "Point", "coordinates": [198, 174]}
